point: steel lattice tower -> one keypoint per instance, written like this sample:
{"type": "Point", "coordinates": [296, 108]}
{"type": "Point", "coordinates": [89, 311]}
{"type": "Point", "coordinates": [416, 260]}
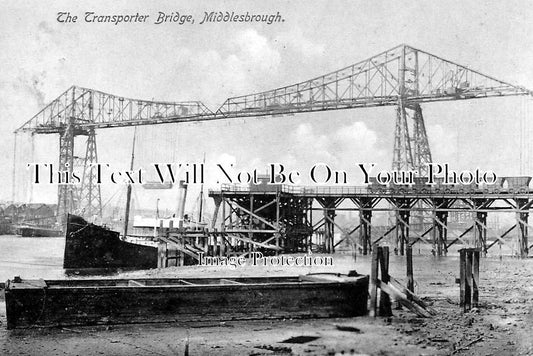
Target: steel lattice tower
{"type": "Point", "coordinates": [411, 151]}
{"type": "Point", "coordinates": [67, 195]}
{"type": "Point", "coordinates": [90, 195]}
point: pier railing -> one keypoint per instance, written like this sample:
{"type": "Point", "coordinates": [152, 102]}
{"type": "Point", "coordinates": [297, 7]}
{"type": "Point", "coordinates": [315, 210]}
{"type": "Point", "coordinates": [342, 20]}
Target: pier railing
{"type": "Point", "coordinates": [337, 190]}
{"type": "Point", "coordinates": [292, 189]}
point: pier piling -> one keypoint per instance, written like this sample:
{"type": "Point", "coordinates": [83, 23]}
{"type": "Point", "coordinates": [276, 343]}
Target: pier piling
{"type": "Point", "coordinates": [469, 277]}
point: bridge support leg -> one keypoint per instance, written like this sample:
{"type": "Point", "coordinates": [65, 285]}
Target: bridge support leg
{"type": "Point", "coordinates": [329, 229]}
{"type": "Point", "coordinates": [365, 231]}
{"type": "Point", "coordinates": [480, 231]}
{"type": "Point", "coordinates": [250, 223]}
{"type": "Point", "coordinates": [66, 193]}
{"type": "Point", "coordinates": [440, 232]}
{"type": "Point", "coordinates": [522, 217]}
{"type": "Point", "coordinates": [90, 196]}
{"type": "Point", "coordinates": [329, 206]}
{"type": "Point", "coordinates": [402, 230]}
{"type": "Point", "coordinates": [214, 239]}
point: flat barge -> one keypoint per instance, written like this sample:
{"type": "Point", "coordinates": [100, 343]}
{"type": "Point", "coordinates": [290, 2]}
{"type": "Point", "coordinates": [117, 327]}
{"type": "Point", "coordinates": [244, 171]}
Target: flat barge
{"type": "Point", "coordinates": [38, 231]}
{"type": "Point", "coordinates": [56, 303]}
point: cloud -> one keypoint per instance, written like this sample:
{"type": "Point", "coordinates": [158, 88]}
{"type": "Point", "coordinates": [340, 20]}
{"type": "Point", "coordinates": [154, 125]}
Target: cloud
{"type": "Point", "coordinates": [29, 82]}
{"type": "Point", "coordinates": [250, 59]}
{"type": "Point", "coordinates": [255, 52]}
{"type": "Point", "coordinates": [296, 41]}
{"type": "Point", "coordinates": [307, 140]}
{"type": "Point", "coordinates": [249, 63]}
{"type": "Point", "coordinates": [359, 140]}
{"type": "Point", "coordinates": [355, 140]}
{"type": "Point", "coordinates": [443, 143]}
{"type": "Point", "coordinates": [340, 150]}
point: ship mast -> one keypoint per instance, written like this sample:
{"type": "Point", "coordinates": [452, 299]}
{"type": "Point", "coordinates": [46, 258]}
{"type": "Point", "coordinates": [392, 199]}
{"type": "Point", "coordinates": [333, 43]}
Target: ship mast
{"type": "Point", "coordinates": [201, 195]}
{"type": "Point", "coordinates": [128, 191]}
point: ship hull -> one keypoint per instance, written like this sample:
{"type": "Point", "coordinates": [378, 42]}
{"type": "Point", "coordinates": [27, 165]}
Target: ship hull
{"type": "Point", "coordinates": [89, 246]}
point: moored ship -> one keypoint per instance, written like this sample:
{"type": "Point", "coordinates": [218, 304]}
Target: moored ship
{"type": "Point", "coordinates": [89, 246]}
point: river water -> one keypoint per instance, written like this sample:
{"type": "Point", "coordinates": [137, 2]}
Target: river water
{"type": "Point", "coordinates": [30, 257]}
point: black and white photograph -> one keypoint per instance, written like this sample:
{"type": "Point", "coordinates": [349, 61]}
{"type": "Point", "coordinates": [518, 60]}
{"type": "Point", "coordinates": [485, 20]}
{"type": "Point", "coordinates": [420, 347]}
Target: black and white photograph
{"type": "Point", "coordinates": [344, 177]}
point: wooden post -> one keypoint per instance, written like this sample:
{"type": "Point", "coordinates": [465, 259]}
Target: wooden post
{"type": "Point", "coordinates": [469, 277]}
{"type": "Point", "coordinates": [468, 281]}
{"type": "Point", "coordinates": [475, 271]}
{"type": "Point", "coordinates": [462, 277]}
{"type": "Point", "coordinates": [384, 299]}
{"type": "Point", "coordinates": [373, 282]}
{"type": "Point", "coordinates": [409, 261]}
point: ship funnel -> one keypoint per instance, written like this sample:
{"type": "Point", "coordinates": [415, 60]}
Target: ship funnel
{"type": "Point", "coordinates": [182, 197]}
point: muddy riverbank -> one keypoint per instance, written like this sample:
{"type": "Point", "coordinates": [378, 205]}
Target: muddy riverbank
{"type": "Point", "coordinates": [500, 326]}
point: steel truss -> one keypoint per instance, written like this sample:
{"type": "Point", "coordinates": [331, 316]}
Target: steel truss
{"type": "Point", "coordinates": [402, 76]}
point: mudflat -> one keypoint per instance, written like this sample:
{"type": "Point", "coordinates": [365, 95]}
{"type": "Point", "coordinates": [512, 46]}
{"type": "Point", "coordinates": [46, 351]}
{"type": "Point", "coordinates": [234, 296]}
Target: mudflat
{"type": "Point", "coordinates": [501, 325]}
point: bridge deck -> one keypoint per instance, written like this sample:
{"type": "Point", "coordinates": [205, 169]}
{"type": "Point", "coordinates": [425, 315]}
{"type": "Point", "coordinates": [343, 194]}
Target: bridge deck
{"type": "Point", "coordinates": [365, 192]}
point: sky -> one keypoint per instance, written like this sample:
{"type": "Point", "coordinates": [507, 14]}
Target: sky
{"type": "Point", "coordinates": [40, 58]}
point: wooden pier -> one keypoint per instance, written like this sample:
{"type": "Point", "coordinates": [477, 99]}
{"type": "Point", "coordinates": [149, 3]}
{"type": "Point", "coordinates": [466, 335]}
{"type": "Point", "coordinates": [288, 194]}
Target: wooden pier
{"type": "Point", "coordinates": [282, 218]}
